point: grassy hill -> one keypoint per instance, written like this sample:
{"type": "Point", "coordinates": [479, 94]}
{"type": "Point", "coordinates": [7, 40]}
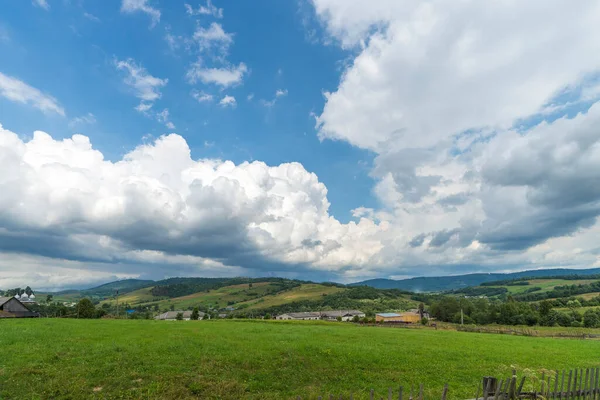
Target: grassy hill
{"type": "Point", "coordinates": [261, 360]}
{"type": "Point", "coordinates": [445, 283]}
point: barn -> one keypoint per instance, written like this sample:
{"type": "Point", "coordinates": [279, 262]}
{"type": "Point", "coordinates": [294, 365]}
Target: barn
{"type": "Point", "coordinates": [11, 307]}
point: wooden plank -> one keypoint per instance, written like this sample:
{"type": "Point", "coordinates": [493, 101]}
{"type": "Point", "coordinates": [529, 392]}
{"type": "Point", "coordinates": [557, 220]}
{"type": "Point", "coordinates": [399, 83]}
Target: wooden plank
{"type": "Point", "coordinates": [521, 386]}
{"type": "Point", "coordinates": [555, 386]}
{"type": "Point", "coordinates": [562, 385]}
{"type": "Point", "coordinates": [597, 383]}
{"type": "Point", "coordinates": [476, 394]}
{"type": "Point", "coordinates": [592, 382]}
{"type": "Point", "coordinates": [569, 388]}
{"type": "Point", "coordinates": [400, 393]}
{"type": "Point", "coordinates": [587, 384]}
{"type": "Point", "coordinates": [542, 383]}
{"type": "Point", "coordinates": [421, 391]}
{"type": "Point", "coordinates": [390, 394]}
{"type": "Point", "coordinates": [575, 394]}
{"type": "Point", "coordinates": [372, 394]}
{"type": "Point", "coordinates": [498, 388]}
{"type": "Point", "coordinates": [513, 387]}
{"type": "Point", "coordinates": [486, 389]}
{"type": "Point", "coordinates": [445, 392]}
{"type": "Point", "coordinates": [549, 390]}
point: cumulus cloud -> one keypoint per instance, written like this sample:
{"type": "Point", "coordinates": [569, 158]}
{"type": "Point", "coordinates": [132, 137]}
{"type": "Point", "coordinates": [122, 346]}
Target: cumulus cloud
{"type": "Point", "coordinates": [213, 38]}
{"type": "Point", "coordinates": [18, 91]}
{"type": "Point", "coordinates": [224, 77]}
{"type": "Point", "coordinates": [443, 94]}
{"type": "Point", "coordinates": [133, 6]}
{"type": "Point", "coordinates": [63, 200]}
{"type": "Point", "coordinates": [470, 65]}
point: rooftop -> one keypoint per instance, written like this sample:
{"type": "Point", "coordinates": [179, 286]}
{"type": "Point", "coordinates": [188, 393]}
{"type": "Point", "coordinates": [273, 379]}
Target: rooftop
{"type": "Point", "coordinates": [389, 315]}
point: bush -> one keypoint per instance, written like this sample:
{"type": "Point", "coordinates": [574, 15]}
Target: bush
{"type": "Point", "coordinates": [424, 321]}
{"type": "Point", "coordinates": [195, 314]}
{"type": "Point", "coordinates": [179, 316]}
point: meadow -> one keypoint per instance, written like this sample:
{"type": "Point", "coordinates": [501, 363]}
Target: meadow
{"type": "Point", "coordinates": [244, 359]}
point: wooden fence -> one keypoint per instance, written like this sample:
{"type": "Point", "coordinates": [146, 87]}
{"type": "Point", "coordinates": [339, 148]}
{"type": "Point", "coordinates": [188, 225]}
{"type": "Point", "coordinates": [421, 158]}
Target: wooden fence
{"type": "Point", "coordinates": [576, 384]}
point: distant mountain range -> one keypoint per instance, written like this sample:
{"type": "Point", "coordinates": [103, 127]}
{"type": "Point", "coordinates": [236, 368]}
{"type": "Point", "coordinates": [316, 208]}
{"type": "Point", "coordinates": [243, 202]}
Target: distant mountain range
{"type": "Point", "coordinates": [442, 283]}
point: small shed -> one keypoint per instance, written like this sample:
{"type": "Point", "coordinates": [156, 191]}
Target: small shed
{"type": "Point", "coordinates": [11, 307]}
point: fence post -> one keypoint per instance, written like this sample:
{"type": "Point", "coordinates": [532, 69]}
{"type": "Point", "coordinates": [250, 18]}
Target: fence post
{"type": "Point", "coordinates": [445, 391]}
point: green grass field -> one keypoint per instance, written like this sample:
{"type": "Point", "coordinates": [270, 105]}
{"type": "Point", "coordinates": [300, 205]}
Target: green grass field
{"type": "Point", "coordinates": [229, 359]}
{"type": "Point", "coordinates": [545, 284]}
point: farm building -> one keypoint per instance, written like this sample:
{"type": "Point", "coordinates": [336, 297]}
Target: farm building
{"type": "Point", "coordinates": [345, 315]}
{"type": "Point", "coordinates": [172, 315]}
{"type": "Point", "coordinates": [11, 307]}
{"type": "Point", "coordinates": [300, 316]}
{"type": "Point", "coordinates": [409, 317]}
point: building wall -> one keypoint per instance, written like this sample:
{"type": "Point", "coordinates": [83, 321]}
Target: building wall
{"type": "Point", "coordinates": [411, 318]}
{"type": "Point", "coordinates": [389, 319]}
{"type": "Point", "coordinates": [14, 305]}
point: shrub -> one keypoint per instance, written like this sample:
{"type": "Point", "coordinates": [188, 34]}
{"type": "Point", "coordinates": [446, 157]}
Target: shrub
{"type": "Point", "coordinates": [179, 316]}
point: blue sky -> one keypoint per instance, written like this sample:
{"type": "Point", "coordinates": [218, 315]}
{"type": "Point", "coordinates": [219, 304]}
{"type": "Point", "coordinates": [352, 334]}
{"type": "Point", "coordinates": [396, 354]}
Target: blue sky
{"type": "Point", "coordinates": [78, 53]}
{"type": "Point", "coordinates": [316, 139]}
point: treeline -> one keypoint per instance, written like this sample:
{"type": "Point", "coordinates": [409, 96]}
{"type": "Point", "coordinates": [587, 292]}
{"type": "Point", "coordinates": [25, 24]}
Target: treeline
{"type": "Point", "coordinates": [508, 282]}
{"type": "Point", "coordinates": [523, 281]}
{"type": "Point", "coordinates": [510, 312]}
{"type": "Point", "coordinates": [560, 292]}
{"type": "Point", "coordinates": [176, 287]}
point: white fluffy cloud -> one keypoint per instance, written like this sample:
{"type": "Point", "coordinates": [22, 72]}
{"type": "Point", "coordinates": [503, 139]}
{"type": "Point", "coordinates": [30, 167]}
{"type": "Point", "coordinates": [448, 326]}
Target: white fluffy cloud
{"type": "Point", "coordinates": [61, 199]}
{"type": "Point", "coordinates": [18, 91]}
{"type": "Point", "coordinates": [133, 6]}
{"type": "Point", "coordinates": [224, 77]}
{"type": "Point", "coordinates": [430, 70]}
{"type": "Point", "coordinates": [442, 93]}
{"type": "Point", "coordinates": [228, 101]}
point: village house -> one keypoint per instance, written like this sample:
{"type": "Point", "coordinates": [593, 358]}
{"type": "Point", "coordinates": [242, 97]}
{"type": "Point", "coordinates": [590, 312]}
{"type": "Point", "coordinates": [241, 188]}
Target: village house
{"type": "Point", "coordinates": [346, 315]}
{"type": "Point", "coordinates": [172, 315]}
{"type": "Point", "coordinates": [305, 316]}
{"type": "Point", "coordinates": [11, 307]}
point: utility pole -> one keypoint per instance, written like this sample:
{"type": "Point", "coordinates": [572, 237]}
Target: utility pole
{"type": "Point", "coordinates": [462, 318]}
{"type": "Point", "coordinates": [117, 303]}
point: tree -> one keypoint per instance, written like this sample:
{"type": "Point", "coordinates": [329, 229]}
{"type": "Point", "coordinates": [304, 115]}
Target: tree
{"type": "Point", "coordinates": [545, 307]}
{"type": "Point", "coordinates": [195, 314]}
{"type": "Point", "coordinates": [421, 310]}
{"type": "Point", "coordinates": [49, 299]}
{"type": "Point", "coordinates": [172, 307]}
{"type": "Point", "coordinates": [28, 291]}
{"type": "Point", "coordinates": [206, 316]}
{"type": "Point", "coordinates": [591, 319]}
{"type": "Point", "coordinates": [338, 318]}
{"type": "Point", "coordinates": [85, 309]}
{"type": "Point", "coordinates": [424, 321]}
{"type": "Point", "coordinates": [267, 316]}
{"type": "Point", "coordinates": [356, 318]}
{"type": "Point", "coordinates": [179, 316]}
{"type": "Point", "coordinates": [250, 285]}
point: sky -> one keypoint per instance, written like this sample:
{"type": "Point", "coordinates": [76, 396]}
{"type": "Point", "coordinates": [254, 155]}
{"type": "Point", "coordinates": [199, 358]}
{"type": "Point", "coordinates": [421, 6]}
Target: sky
{"type": "Point", "coordinates": [311, 139]}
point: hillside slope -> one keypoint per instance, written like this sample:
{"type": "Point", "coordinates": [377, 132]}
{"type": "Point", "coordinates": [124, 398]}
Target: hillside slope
{"type": "Point", "coordinates": [443, 283]}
